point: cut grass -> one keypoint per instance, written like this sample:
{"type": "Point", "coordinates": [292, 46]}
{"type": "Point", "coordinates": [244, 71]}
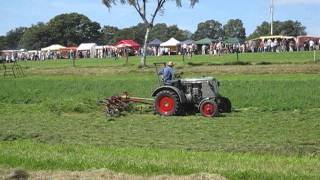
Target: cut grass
{"type": "Point", "coordinates": [269, 92]}
{"type": "Point", "coordinates": [285, 133]}
{"type": "Point", "coordinates": [275, 114]}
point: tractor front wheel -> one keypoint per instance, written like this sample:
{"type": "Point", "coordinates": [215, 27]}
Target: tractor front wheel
{"type": "Point", "coordinates": [208, 108]}
{"type": "Point", "coordinates": [167, 103]}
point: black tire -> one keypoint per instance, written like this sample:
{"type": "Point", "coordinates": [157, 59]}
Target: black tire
{"type": "Point", "coordinates": [208, 108]}
{"type": "Point", "coordinates": [224, 105]}
{"type": "Point", "coordinates": [167, 103]}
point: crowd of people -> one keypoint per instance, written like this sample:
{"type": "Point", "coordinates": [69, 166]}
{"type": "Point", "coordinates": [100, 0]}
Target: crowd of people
{"type": "Point", "coordinates": [215, 48]}
{"type": "Point", "coordinates": [284, 45]}
{"type": "Point", "coordinates": [252, 46]}
{"type": "Point", "coordinates": [15, 55]}
{"type": "Point", "coordinates": [11, 56]}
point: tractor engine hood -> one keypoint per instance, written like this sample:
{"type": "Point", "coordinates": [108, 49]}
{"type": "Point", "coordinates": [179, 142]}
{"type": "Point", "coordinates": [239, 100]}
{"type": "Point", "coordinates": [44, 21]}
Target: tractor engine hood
{"type": "Point", "coordinates": [195, 80]}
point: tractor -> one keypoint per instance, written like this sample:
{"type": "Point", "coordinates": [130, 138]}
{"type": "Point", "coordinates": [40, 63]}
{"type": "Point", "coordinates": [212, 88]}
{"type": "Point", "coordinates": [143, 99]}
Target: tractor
{"type": "Point", "coordinates": [185, 96]}
{"type": "Point", "coordinates": [176, 97]}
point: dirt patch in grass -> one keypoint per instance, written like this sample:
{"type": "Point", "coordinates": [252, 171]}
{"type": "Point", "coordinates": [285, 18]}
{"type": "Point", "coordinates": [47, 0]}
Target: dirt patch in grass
{"type": "Point", "coordinates": [79, 71]}
{"type": "Point", "coordinates": [97, 174]}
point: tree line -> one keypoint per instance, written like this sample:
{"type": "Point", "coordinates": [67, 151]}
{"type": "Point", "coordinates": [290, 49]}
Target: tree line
{"type": "Point", "coordinates": [73, 28]}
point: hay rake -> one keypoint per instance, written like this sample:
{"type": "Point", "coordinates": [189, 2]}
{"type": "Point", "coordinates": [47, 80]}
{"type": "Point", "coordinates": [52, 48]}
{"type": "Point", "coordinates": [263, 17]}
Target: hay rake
{"type": "Point", "coordinates": [117, 104]}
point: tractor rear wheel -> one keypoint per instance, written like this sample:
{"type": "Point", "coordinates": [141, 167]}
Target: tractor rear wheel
{"type": "Point", "coordinates": [167, 103]}
{"type": "Point", "coordinates": [224, 104]}
{"type": "Point", "coordinates": [208, 108]}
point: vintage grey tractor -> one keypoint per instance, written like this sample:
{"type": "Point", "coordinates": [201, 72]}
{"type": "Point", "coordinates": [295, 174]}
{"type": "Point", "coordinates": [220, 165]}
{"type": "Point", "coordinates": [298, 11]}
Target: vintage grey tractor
{"type": "Point", "coordinates": [176, 97]}
{"type": "Point", "coordinates": [184, 96]}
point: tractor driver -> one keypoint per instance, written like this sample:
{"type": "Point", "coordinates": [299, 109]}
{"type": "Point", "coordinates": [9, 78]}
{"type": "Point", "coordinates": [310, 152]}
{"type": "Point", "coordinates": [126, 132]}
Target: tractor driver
{"type": "Point", "coordinates": [167, 72]}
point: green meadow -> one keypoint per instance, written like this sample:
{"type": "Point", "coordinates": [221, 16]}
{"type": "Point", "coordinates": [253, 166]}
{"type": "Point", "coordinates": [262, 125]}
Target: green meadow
{"type": "Point", "coordinates": [50, 119]}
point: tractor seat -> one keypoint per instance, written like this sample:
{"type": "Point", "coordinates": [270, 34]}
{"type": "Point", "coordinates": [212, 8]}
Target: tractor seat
{"type": "Point", "coordinates": [174, 83]}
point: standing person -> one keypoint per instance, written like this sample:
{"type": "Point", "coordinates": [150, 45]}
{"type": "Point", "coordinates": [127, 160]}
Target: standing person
{"type": "Point", "coordinates": [283, 45]}
{"type": "Point", "coordinates": [203, 48]}
{"type": "Point", "coordinates": [269, 42]}
{"type": "Point", "coordinates": [184, 48]}
{"type": "Point", "coordinates": [154, 51]}
{"type": "Point", "coordinates": [251, 46]}
{"type": "Point", "coordinates": [311, 45]}
{"type": "Point", "coordinates": [276, 44]}
{"type": "Point", "coordinates": [305, 46]}
{"type": "Point", "coordinates": [219, 48]}
{"type": "Point", "coordinates": [167, 72]}
{"type": "Point", "coordinates": [272, 46]}
{"type": "Point", "coordinates": [7, 58]}
{"type": "Point", "coordinates": [291, 46]}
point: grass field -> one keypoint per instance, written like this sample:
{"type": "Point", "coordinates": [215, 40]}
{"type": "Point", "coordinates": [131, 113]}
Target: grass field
{"type": "Point", "coordinates": [255, 58]}
{"type": "Point", "coordinates": [50, 120]}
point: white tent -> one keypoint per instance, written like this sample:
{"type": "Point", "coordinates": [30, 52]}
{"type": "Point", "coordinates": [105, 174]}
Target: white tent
{"type": "Point", "coordinates": [99, 51]}
{"type": "Point", "coordinates": [88, 47]}
{"type": "Point", "coordinates": [170, 46]}
{"type": "Point", "coordinates": [54, 47]}
{"type": "Point", "coordinates": [170, 43]}
{"type": "Point", "coordinates": [99, 47]}
{"type": "Point", "coordinates": [33, 51]}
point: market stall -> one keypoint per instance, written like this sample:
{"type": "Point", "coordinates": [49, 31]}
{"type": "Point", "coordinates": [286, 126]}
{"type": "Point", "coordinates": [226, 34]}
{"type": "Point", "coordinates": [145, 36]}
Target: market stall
{"type": "Point", "coordinates": [154, 47]}
{"type": "Point", "coordinates": [86, 50]}
{"type": "Point", "coordinates": [130, 46]}
{"type": "Point", "coordinates": [170, 47]}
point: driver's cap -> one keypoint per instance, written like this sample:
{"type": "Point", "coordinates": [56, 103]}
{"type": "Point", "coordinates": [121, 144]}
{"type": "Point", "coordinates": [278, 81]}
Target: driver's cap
{"type": "Point", "coordinates": [170, 63]}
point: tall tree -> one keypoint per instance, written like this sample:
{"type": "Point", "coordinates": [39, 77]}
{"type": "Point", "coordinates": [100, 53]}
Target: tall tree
{"type": "Point", "coordinates": [292, 28]}
{"type": "Point", "coordinates": [14, 36]}
{"type": "Point", "coordinates": [174, 31]}
{"type": "Point", "coordinates": [3, 43]}
{"type": "Point", "coordinates": [111, 35]}
{"type": "Point", "coordinates": [159, 32]}
{"type": "Point", "coordinates": [287, 28]}
{"type": "Point", "coordinates": [163, 32]}
{"type": "Point", "coordinates": [73, 29]}
{"type": "Point", "coordinates": [209, 29]}
{"type": "Point", "coordinates": [134, 32]}
{"type": "Point", "coordinates": [139, 32]}
{"type": "Point", "coordinates": [188, 34]}
{"type": "Point", "coordinates": [141, 7]}
{"type": "Point", "coordinates": [108, 34]}
{"type": "Point", "coordinates": [36, 37]}
{"type": "Point", "coordinates": [264, 29]}
{"type": "Point", "coordinates": [234, 29]}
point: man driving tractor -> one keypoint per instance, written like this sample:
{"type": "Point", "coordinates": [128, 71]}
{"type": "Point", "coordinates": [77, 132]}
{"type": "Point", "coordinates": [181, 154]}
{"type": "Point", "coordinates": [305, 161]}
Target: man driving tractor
{"type": "Point", "coordinates": [167, 72]}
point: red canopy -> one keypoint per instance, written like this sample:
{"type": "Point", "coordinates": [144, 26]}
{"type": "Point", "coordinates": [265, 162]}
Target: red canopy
{"type": "Point", "coordinates": [127, 43]}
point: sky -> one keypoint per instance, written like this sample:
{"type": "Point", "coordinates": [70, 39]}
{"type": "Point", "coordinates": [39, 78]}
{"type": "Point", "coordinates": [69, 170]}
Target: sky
{"type": "Point", "coordinates": [17, 13]}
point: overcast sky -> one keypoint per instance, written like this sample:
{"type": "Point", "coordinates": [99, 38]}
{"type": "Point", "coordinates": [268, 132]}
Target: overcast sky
{"type": "Point", "coordinates": [16, 13]}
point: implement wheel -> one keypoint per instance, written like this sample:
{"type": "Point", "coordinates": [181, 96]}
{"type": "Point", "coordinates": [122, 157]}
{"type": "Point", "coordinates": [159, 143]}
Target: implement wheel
{"type": "Point", "coordinates": [208, 108]}
{"type": "Point", "coordinates": [167, 103]}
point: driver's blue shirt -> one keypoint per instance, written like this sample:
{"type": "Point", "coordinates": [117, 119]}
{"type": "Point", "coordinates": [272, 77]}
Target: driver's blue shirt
{"type": "Point", "coordinates": [167, 73]}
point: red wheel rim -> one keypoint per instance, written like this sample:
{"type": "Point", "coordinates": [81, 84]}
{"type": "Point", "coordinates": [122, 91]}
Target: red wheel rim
{"type": "Point", "coordinates": [166, 105]}
{"type": "Point", "coordinates": [208, 109]}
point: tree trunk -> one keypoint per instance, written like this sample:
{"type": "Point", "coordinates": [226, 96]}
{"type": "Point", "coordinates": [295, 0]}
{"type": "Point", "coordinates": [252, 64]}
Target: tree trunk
{"type": "Point", "coordinates": [144, 50]}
